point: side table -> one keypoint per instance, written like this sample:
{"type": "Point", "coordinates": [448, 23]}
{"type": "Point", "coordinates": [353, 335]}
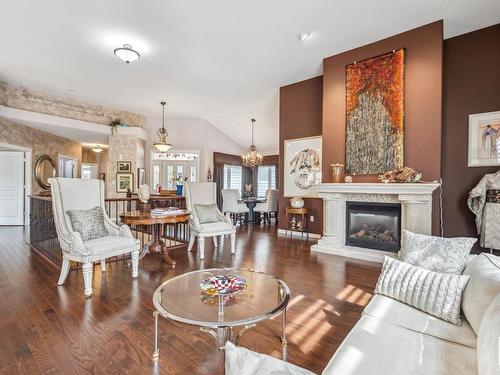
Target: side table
{"type": "Point", "coordinates": [304, 219]}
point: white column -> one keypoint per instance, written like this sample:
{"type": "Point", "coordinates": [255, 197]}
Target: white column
{"type": "Point", "coordinates": [416, 212]}
{"type": "Point", "coordinates": [333, 220]}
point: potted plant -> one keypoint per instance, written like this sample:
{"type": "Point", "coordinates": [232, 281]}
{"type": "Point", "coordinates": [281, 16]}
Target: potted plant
{"type": "Point", "coordinates": [114, 125]}
{"type": "Point", "coordinates": [179, 181]}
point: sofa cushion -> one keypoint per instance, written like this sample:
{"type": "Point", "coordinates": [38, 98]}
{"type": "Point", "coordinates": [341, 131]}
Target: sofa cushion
{"type": "Point", "coordinates": [220, 226]}
{"type": "Point", "coordinates": [488, 340]}
{"type": "Point", "coordinates": [483, 287]}
{"type": "Point", "coordinates": [436, 293]}
{"type": "Point", "coordinates": [402, 315]}
{"type": "Point", "coordinates": [241, 361]}
{"type": "Point", "coordinates": [110, 244]}
{"type": "Point", "coordinates": [439, 254]}
{"type": "Point", "coordinates": [375, 347]}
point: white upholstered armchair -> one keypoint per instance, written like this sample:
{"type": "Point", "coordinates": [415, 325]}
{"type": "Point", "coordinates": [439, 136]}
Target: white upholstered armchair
{"type": "Point", "coordinates": [203, 194]}
{"type": "Point", "coordinates": [78, 194]}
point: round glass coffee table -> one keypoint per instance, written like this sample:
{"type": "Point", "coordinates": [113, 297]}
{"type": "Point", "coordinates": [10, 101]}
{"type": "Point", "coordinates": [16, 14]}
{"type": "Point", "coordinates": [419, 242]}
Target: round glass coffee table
{"type": "Point", "coordinates": [182, 300]}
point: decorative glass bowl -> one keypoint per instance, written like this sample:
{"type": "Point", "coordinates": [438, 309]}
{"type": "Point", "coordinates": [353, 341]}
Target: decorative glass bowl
{"type": "Point", "coordinates": [221, 285]}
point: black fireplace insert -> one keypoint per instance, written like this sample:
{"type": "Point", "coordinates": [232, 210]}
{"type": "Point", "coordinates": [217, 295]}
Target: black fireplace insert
{"type": "Point", "coordinates": [373, 225]}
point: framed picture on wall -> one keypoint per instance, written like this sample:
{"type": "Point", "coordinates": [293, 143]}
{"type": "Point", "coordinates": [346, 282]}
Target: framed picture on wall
{"type": "Point", "coordinates": [124, 166]}
{"type": "Point", "coordinates": [484, 139]}
{"type": "Point", "coordinates": [124, 182]}
{"type": "Point", "coordinates": [141, 177]}
{"type": "Point", "coordinates": [302, 166]}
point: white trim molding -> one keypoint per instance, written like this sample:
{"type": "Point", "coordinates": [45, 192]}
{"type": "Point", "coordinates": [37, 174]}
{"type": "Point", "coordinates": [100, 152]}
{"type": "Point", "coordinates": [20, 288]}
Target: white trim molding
{"type": "Point", "coordinates": [416, 212]}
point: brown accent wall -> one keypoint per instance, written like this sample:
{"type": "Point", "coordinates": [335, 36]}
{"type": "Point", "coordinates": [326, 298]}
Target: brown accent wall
{"type": "Point", "coordinates": [300, 116]}
{"type": "Point", "coordinates": [423, 90]}
{"type": "Point", "coordinates": [471, 85]}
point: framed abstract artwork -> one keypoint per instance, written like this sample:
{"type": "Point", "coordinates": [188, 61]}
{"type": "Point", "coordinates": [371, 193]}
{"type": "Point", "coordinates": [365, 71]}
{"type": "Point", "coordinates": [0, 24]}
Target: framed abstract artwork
{"type": "Point", "coordinates": [124, 182]}
{"type": "Point", "coordinates": [375, 114]}
{"type": "Point", "coordinates": [484, 139]}
{"type": "Point", "coordinates": [302, 166]}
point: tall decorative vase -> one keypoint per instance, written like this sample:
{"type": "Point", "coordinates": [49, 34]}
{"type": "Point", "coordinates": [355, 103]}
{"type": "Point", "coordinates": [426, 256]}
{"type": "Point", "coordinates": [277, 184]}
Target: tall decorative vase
{"type": "Point", "coordinates": [179, 189]}
{"type": "Point", "coordinates": [338, 170]}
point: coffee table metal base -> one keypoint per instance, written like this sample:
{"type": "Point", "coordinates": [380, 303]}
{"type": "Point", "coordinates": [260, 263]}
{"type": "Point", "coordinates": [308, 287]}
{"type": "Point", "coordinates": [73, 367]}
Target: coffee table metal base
{"type": "Point", "coordinates": [222, 335]}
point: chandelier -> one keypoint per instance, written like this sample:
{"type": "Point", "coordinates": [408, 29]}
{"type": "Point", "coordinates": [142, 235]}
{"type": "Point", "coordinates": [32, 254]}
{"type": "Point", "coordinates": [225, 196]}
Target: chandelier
{"type": "Point", "coordinates": [162, 145]}
{"type": "Point", "coordinates": [127, 53]}
{"type": "Point", "coordinates": [252, 159]}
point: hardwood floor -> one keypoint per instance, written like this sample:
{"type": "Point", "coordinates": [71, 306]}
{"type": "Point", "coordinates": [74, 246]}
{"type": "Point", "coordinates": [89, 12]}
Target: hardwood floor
{"type": "Point", "coordinates": [56, 330]}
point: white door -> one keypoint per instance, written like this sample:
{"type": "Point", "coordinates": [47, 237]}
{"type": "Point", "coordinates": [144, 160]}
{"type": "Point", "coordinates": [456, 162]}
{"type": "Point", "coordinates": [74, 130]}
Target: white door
{"type": "Point", "coordinates": [11, 188]}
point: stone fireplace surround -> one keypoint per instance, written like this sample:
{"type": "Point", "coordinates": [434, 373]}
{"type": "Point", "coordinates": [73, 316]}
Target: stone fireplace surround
{"type": "Point", "coordinates": [416, 213]}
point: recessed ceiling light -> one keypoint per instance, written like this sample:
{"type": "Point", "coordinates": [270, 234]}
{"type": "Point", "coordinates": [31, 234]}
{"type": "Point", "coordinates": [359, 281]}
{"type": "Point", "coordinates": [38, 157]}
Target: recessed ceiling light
{"type": "Point", "coordinates": [97, 149]}
{"type": "Point", "coordinates": [303, 36]}
{"type": "Point", "coordinates": [127, 54]}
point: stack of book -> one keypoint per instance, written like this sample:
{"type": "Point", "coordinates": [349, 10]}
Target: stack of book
{"type": "Point", "coordinates": [166, 211]}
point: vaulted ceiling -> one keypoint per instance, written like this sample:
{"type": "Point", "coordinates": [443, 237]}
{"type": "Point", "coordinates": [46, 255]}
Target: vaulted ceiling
{"type": "Point", "coordinates": [222, 60]}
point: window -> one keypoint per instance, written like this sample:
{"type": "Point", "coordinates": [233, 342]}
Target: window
{"type": "Point", "coordinates": [266, 179]}
{"type": "Point", "coordinates": [192, 173]}
{"type": "Point", "coordinates": [89, 171]}
{"type": "Point", "coordinates": [156, 176]}
{"type": "Point", "coordinates": [180, 170]}
{"type": "Point", "coordinates": [233, 177]}
{"type": "Point", "coordinates": [170, 174]}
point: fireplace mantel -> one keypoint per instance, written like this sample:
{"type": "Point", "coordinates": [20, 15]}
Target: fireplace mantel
{"type": "Point", "coordinates": [416, 212]}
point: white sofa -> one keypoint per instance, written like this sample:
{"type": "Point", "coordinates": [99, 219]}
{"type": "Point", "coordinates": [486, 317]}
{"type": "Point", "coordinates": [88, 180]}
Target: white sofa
{"type": "Point", "coordinates": [393, 338]}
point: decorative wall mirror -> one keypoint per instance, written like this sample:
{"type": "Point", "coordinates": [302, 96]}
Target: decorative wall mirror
{"type": "Point", "coordinates": [45, 168]}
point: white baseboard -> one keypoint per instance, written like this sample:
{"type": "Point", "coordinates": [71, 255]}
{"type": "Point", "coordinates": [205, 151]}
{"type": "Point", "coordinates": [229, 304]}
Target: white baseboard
{"type": "Point", "coordinates": [283, 232]}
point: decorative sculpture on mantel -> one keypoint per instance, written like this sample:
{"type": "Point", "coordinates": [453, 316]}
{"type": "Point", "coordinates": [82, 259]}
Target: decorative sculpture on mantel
{"type": "Point", "coordinates": [484, 201]}
{"type": "Point", "coordinates": [144, 193]}
{"type": "Point", "coordinates": [405, 174]}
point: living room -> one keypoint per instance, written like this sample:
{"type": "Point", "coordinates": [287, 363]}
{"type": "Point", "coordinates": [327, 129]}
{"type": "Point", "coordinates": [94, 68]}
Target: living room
{"type": "Point", "coordinates": [297, 188]}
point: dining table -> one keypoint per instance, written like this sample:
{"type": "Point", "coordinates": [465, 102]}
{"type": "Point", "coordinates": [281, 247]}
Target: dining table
{"type": "Point", "coordinates": [251, 202]}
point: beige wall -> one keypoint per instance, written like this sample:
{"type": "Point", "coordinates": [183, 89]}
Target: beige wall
{"type": "Point", "coordinates": [40, 142]}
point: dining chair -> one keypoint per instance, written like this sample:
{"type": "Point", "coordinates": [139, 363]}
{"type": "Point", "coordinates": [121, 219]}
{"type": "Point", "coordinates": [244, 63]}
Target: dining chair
{"type": "Point", "coordinates": [269, 208]}
{"type": "Point", "coordinates": [206, 220]}
{"type": "Point", "coordinates": [84, 194]}
{"type": "Point", "coordinates": [231, 206]}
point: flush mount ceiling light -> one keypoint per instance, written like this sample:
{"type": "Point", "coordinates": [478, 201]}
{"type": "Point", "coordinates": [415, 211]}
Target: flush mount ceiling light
{"type": "Point", "coordinates": [162, 145]}
{"type": "Point", "coordinates": [127, 54]}
{"type": "Point", "coordinates": [252, 159]}
{"type": "Point", "coordinates": [97, 149]}
{"type": "Point", "coordinates": [303, 36]}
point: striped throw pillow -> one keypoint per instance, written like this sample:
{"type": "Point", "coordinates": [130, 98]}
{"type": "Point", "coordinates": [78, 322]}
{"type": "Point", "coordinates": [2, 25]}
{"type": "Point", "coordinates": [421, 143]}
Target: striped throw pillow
{"type": "Point", "coordinates": [207, 213]}
{"type": "Point", "coordinates": [435, 293]}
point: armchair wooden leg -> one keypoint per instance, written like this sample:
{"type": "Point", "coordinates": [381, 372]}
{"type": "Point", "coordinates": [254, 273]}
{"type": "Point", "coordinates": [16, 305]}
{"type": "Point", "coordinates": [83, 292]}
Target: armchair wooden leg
{"type": "Point", "coordinates": [201, 247]}
{"type": "Point", "coordinates": [103, 265]}
{"type": "Point", "coordinates": [192, 238]}
{"type": "Point", "coordinates": [64, 272]}
{"type": "Point", "coordinates": [135, 263]}
{"type": "Point", "coordinates": [233, 243]}
{"type": "Point", "coordinates": [87, 278]}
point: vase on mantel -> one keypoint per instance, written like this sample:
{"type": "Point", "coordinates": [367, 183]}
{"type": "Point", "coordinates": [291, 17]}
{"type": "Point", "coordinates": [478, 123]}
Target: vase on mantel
{"type": "Point", "coordinates": [338, 170]}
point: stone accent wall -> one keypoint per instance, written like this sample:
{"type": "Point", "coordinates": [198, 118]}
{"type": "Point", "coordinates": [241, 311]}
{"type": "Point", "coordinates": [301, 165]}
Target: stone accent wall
{"type": "Point", "coordinates": [40, 142]}
{"type": "Point", "coordinates": [37, 101]}
{"type": "Point", "coordinates": [123, 148]}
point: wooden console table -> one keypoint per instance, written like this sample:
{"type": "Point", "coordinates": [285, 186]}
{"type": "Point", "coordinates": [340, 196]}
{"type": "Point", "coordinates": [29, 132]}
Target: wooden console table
{"type": "Point", "coordinates": [156, 245]}
{"type": "Point", "coordinates": [304, 218]}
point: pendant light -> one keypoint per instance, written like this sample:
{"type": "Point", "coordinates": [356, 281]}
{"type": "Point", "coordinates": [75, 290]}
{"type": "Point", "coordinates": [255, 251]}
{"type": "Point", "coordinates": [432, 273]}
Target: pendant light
{"type": "Point", "coordinates": [252, 159]}
{"type": "Point", "coordinates": [127, 53]}
{"type": "Point", "coordinates": [162, 145]}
